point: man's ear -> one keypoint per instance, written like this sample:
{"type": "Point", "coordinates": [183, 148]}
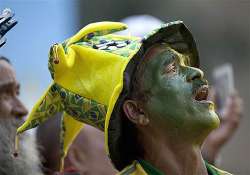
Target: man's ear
{"type": "Point", "coordinates": [134, 113]}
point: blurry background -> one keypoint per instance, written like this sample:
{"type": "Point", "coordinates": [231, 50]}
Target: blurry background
{"type": "Point", "coordinates": [221, 29]}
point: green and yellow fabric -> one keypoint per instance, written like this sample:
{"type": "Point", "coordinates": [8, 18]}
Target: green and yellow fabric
{"type": "Point", "coordinates": [142, 167]}
{"type": "Point", "coordinates": [92, 74]}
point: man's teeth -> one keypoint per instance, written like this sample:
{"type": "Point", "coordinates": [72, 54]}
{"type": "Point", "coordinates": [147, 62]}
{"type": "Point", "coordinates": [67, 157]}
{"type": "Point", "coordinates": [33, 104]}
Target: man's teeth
{"type": "Point", "coordinates": [201, 93]}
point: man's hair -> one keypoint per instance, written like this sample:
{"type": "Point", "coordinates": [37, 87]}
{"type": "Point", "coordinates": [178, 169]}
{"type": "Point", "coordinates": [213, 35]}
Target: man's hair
{"type": "Point", "coordinates": [4, 59]}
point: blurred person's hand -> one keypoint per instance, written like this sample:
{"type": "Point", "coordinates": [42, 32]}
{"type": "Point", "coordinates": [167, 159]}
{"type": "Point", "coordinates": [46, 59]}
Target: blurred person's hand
{"type": "Point", "coordinates": [230, 116]}
{"type": "Point", "coordinates": [6, 23]}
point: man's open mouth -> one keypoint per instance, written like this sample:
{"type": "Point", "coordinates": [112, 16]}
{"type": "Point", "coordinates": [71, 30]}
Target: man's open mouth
{"type": "Point", "coordinates": [201, 94]}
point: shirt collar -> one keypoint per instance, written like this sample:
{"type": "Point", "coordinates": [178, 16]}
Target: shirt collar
{"type": "Point", "coordinates": [150, 169]}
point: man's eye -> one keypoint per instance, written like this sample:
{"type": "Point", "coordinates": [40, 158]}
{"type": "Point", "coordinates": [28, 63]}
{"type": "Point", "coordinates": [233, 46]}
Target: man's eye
{"type": "Point", "coordinates": [170, 68]}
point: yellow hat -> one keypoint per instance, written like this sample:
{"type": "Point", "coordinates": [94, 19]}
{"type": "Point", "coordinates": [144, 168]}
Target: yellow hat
{"type": "Point", "coordinates": [91, 74]}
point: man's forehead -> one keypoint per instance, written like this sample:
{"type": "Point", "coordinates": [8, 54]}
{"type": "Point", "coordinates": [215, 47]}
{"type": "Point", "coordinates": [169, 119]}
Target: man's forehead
{"type": "Point", "coordinates": [159, 48]}
{"type": "Point", "coordinates": [156, 49]}
{"type": "Point", "coordinates": [7, 74]}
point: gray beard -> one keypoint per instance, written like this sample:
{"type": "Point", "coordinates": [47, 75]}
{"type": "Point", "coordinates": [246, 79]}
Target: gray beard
{"type": "Point", "coordinates": [27, 162]}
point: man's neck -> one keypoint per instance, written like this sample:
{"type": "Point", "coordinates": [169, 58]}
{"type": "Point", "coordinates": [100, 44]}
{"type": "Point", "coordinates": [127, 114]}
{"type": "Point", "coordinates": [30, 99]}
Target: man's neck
{"type": "Point", "coordinates": [172, 156]}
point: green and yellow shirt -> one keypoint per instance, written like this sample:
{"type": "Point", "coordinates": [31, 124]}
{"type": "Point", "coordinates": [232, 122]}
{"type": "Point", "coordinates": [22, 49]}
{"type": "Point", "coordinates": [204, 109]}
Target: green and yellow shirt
{"type": "Point", "coordinates": [141, 167]}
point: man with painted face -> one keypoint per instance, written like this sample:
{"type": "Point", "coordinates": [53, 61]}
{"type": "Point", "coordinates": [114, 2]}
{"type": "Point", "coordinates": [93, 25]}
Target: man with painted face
{"type": "Point", "coordinates": [169, 114]}
{"type": "Point", "coordinates": [148, 96]}
{"type": "Point", "coordinates": [166, 115]}
{"type": "Point", "coordinates": [230, 113]}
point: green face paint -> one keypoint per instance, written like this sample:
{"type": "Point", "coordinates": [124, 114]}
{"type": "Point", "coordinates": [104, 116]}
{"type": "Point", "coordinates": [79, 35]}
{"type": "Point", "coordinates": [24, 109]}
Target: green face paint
{"type": "Point", "coordinates": [178, 92]}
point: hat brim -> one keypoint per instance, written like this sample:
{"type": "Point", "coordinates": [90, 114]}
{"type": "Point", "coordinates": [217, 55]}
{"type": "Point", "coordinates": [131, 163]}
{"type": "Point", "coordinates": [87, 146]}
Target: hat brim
{"type": "Point", "coordinates": [177, 35]}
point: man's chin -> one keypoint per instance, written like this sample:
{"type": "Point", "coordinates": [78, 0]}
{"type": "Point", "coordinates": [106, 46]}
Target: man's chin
{"type": "Point", "coordinates": [211, 120]}
{"type": "Point", "coordinates": [206, 121]}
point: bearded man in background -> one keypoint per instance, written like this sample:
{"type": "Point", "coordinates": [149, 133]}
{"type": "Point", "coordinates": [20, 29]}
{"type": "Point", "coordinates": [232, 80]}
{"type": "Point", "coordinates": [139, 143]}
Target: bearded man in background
{"type": "Point", "coordinates": [12, 112]}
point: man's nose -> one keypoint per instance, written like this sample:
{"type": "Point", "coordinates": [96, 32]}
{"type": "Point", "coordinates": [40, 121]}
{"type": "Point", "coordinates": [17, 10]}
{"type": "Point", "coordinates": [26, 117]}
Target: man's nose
{"type": "Point", "coordinates": [19, 110]}
{"type": "Point", "coordinates": [194, 73]}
